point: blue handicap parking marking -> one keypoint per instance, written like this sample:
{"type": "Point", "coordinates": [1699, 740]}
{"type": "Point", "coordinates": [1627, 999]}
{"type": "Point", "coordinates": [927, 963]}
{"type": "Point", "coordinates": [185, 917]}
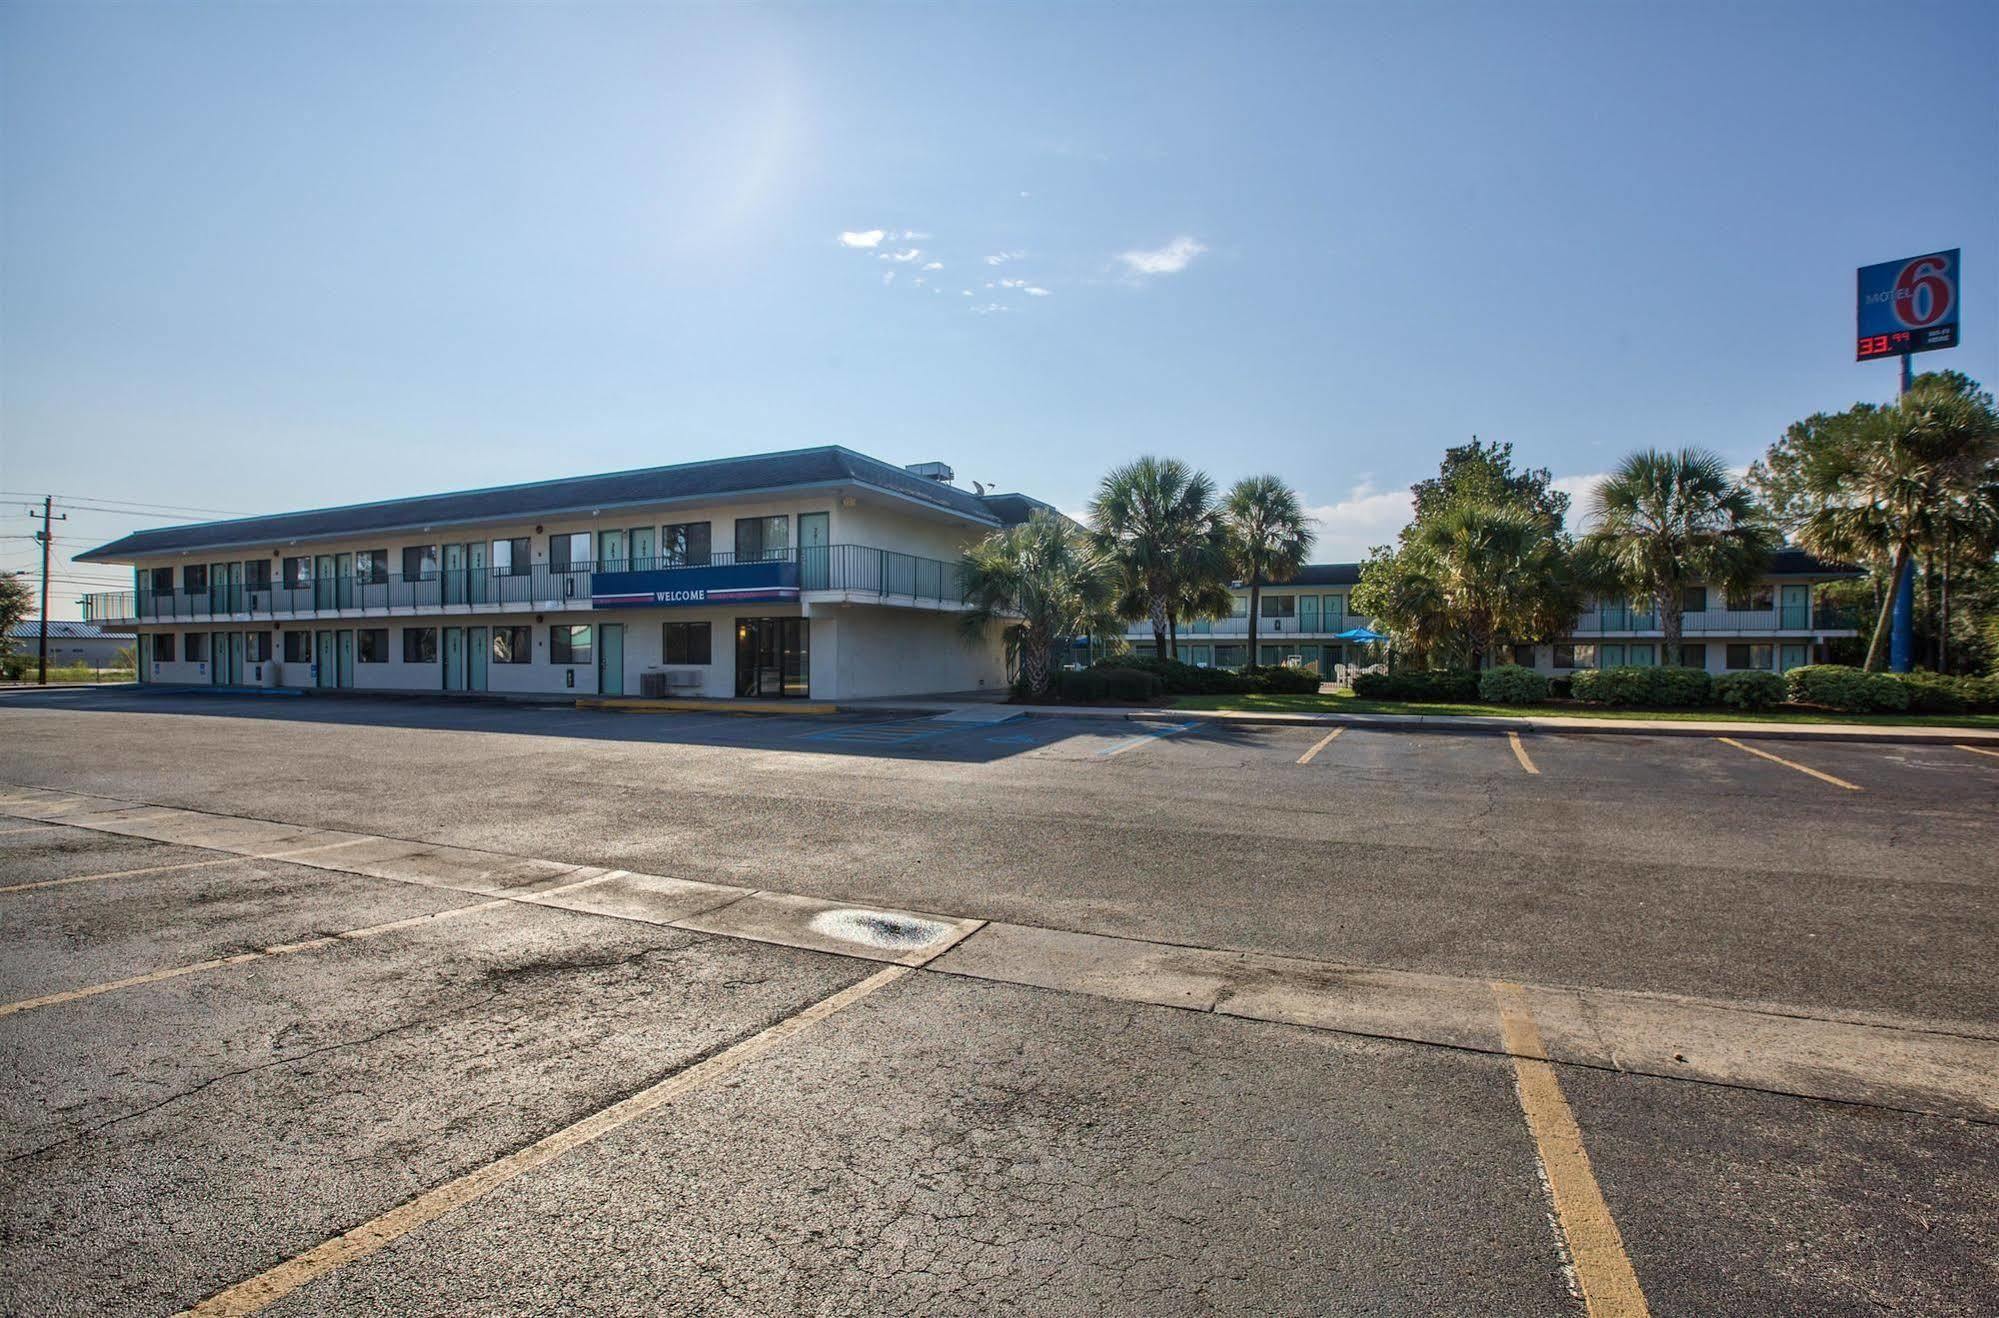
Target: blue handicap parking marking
{"type": "Point", "coordinates": [878, 734]}
{"type": "Point", "coordinates": [1016, 739]}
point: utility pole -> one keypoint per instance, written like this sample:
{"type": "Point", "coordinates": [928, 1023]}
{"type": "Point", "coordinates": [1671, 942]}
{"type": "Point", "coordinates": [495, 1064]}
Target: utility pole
{"type": "Point", "coordinates": [47, 536]}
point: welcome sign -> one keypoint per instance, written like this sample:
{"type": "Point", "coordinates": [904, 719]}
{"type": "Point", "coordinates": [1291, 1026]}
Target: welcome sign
{"type": "Point", "coordinates": [692, 587]}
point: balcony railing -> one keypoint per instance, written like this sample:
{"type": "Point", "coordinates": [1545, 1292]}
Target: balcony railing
{"type": "Point", "coordinates": [1704, 622]}
{"type": "Point", "coordinates": [856, 569]}
{"type": "Point", "coordinates": [1267, 628]}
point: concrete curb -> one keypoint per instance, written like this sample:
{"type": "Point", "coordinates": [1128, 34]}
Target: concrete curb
{"type": "Point", "coordinates": [642, 705]}
{"type": "Point", "coordinates": [1500, 726]}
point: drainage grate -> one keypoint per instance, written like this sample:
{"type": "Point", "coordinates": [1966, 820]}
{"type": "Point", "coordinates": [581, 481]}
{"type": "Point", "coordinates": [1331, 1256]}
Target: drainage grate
{"type": "Point", "coordinates": [879, 928]}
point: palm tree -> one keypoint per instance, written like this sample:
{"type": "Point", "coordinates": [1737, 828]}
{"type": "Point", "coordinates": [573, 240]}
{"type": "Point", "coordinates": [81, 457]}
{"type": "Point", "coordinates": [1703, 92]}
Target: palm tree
{"type": "Point", "coordinates": [1666, 521]}
{"type": "Point", "coordinates": [1267, 537]}
{"type": "Point", "coordinates": [1155, 519]}
{"type": "Point", "coordinates": [1492, 572]}
{"type": "Point", "coordinates": [1045, 584]}
{"type": "Point", "coordinates": [1884, 487]}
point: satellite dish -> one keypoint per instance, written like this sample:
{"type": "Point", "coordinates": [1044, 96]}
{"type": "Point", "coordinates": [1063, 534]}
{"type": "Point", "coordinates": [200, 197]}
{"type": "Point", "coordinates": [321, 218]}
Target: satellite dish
{"type": "Point", "coordinates": [980, 487]}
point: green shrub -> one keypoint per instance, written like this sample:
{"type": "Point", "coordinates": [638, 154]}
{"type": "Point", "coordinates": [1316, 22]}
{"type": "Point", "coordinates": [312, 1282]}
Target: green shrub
{"type": "Point", "coordinates": [1935, 693]}
{"type": "Point", "coordinates": [1682, 688]}
{"type": "Point", "coordinates": [1129, 683]}
{"type": "Point", "coordinates": [1089, 684]}
{"type": "Point", "coordinates": [1853, 690]}
{"type": "Point", "coordinates": [1750, 689]}
{"type": "Point", "coordinates": [1419, 684]}
{"type": "Point", "coordinates": [1561, 688]}
{"type": "Point", "coordinates": [1586, 684]}
{"type": "Point", "coordinates": [1511, 684]}
{"type": "Point", "coordinates": [1278, 680]}
{"type": "Point", "coordinates": [1183, 679]}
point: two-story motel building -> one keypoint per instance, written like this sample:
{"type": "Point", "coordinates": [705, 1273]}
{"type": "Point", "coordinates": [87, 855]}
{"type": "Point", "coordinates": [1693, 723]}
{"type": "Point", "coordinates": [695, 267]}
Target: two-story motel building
{"type": "Point", "coordinates": [1780, 624]}
{"type": "Point", "coordinates": [816, 572]}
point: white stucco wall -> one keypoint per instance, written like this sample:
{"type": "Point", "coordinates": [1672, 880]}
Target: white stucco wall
{"type": "Point", "coordinates": [867, 652]}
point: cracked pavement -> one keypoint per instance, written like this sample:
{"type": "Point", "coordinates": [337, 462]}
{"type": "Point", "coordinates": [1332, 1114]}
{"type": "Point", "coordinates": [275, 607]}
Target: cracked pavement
{"type": "Point", "coordinates": [962, 1141]}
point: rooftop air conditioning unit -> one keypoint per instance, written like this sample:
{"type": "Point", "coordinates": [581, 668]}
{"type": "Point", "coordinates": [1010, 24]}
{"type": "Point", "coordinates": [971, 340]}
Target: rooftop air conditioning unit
{"type": "Point", "coordinates": [933, 471]}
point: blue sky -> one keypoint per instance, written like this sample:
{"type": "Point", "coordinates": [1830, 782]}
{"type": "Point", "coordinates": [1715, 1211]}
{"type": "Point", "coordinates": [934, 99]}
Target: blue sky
{"type": "Point", "coordinates": [261, 257]}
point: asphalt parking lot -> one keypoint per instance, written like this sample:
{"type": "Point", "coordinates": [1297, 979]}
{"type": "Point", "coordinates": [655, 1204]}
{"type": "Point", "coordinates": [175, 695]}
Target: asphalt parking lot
{"type": "Point", "coordinates": [409, 1007]}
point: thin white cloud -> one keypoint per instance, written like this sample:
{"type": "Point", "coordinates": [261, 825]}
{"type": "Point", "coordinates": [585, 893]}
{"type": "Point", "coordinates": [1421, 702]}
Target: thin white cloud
{"type": "Point", "coordinates": [1582, 496]}
{"type": "Point", "coordinates": [1367, 517]}
{"type": "Point", "coordinates": [862, 237]}
{"type": "Point", "coordinates": [1001, 258]}
{"type": "Point", "coordinates": [934, 265]}
{"type": "Point", "coordinates": [902, 257]}
{"type": "Point", "coordinates": [912, 236]}
{"type": "Point", "coordinates": [990, 308]}
{"type": "Point", "coordinates": [1034, 290]}
{"type": "Point", "coordinates": [1011, 283]}
{"type": "Point", "coordinates": [1168, 260]}
{"type": "Point", "coordinates": [888, 277]}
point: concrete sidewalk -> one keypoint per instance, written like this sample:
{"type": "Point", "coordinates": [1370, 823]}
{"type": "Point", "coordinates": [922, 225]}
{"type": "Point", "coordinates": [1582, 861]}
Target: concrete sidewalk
{"type": "Point", "coordinates": [1865, 732]}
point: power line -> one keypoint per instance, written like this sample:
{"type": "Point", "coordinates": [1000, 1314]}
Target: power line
{"type": "Point", "coordinates": [130, 503]}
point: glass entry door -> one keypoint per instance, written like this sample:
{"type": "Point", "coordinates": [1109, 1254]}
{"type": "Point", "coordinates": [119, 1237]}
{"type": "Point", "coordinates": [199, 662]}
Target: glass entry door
{"type": "Point", "coordinates": [773, 657]}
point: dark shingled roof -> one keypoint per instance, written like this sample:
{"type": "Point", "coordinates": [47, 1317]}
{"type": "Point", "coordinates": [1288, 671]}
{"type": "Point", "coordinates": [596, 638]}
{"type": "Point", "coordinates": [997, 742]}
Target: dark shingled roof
{"type": "Point", "coordinates": [1013, 509]}
{"type": "Point", "coordinates": [1327, 574]}
{"type": "Point", "coordinates": [810, 467]}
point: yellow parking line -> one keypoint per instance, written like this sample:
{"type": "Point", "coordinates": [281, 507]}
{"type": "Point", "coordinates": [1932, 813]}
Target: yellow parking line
{"type": "Point", "coordinates": [1978, 750]}
{"type": "Point", "coordinates": [31, 828]}
{"type": "Point", "coordinates": [1520, 753]}
{"type": "Point", "coordinates": [1609, 1285]}
{"type": "Point", "coordinates": [1793, 764]}
{"type": "Point", "coordinates": [1323, 742]}
{"type": "Point", "coordinates": [267, 1288]}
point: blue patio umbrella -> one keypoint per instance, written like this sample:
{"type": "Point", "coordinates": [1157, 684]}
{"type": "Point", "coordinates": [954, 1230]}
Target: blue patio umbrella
{"type": "Point", "coordinates": [1360, 636]}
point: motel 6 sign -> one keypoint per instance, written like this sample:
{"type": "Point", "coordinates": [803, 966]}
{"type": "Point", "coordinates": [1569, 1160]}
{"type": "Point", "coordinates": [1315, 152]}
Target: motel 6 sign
{"type": "Point", "coordinates": [1908, 306]}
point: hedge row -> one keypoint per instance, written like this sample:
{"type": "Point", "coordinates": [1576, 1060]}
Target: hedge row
{"type": "Point", "coordinates": [1856, 691]}
{"type": "Point", "coordinates": [1105, 683]}
{"type": "Point", "coordinates": [1424, 684]}
{"type": "Point", "coordinates": [1663, 688]}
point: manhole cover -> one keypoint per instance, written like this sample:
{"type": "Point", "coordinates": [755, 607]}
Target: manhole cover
{"type": "Point", "coordinates": [879, 929]}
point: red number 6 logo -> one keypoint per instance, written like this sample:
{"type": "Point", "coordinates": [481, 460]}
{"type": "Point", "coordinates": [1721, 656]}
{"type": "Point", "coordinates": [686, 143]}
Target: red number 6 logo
{"type": "Point", "coordinates": [1922, 294]}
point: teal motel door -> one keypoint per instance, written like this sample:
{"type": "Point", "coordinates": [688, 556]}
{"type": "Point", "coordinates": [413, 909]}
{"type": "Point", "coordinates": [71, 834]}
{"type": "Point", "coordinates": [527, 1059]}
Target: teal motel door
{"type": "Point", "coordinates": [454, 657]}
{"type": "Point", "coordinates": [641, 543]}
{"type": "Point", "coordinates": [145, 657]}
{"type": "Point", "coordinates": [478, 577]}
{"type": "Point", "coordinates": [344, 671]}
{"type": "Point", "coordinates": [218, 657]}
{"type": "Point", "coordinates": [611, 659]}
{"type": "Point", "coordinates": [611, 551]}
{"type": "Point", "coordinates": [477, 644]}
{"type": "Point", "coordinates": [815, 570]}
{"type": "Point", "coordinates": [236, 648]}
{"type": "Point", "coordinates": [343, 585]}
{"type": "Point", "coordinates": [454, 577]}
{"type": "Point", "coordinates": [327, 671]}
{"type": "Point", "coordinates": [1792, 655]}
{"type": "Point", "coordinates": [322, 587]}
{"type": "Point", "coordinates": [1795, 604]}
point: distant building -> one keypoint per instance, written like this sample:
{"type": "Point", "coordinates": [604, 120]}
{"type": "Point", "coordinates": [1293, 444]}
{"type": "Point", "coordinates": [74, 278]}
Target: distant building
{"type": "Point", "coordinates": [71, 643]}
{"type": "Point", "coordinates": [1780, 623]}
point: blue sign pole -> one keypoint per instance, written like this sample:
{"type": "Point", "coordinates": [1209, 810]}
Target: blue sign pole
{"type": "Point", "coordinates": [1902, 627]}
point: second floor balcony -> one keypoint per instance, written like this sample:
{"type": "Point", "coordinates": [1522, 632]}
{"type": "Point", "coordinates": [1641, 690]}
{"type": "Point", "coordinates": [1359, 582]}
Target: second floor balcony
{"type": "Point", "coordinates": [853, 571]}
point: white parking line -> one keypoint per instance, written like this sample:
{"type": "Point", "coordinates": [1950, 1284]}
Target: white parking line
{"type": "Point", "coordinates": [1144, 739]}
{"type": "Point", "coordinates": [267, 1288]}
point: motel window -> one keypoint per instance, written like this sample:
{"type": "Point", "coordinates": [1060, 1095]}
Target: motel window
{"type": "Point", "coordinates": [1743, 656]}
{"type": "Point", "coordinates": [419, 645]}
{"type": "Point", "coordinates": [257, 574]}
{"type": "Point", "coordinates": [163, 580]}
{"type": "Point", "coordinates": [1693, 655]}
{"type": "Point", "coordinates": [420, 563]}
{"type": "Point", "coordinates": [685, 643]}
{"type": "Point", "coordinates": [1231, 656]}
{"type": "Point", "coordinates": [1575, 656]}
{"type": "Point", "coordinates": [759, 539]}
{"type": "Point", "coordinates": [1640, 656]}
{"type": "Point", "coordinates": [569, 643]}
{"type": "Point", "coordinates": [163, 645]}
{"type": "Point", "coordinates": [512, 558]}
{"type": "Point", "coordinates": [1693, 599]}
{"type": "Point", "coordinates": [297, 573]}
{"type": "Point", "coordinates": [373, 644]}
{"type": "Point", "coordinates": [1280, 606]}
{"type": "Point", "coordinates": [513, 645]}
{"type": "Point", "coordinates": [257, 647]}
{"type": "Point", "coordinates": [1523, 655]}
{"type": "Point", "coordinates": [371, 567]}
{"type": "Point", "coordinates": [197, 647]}
{"type": "Point", "coordinates": [685, 544]}
{"type": "Point", "coordinates": [1273, 655]}
{"type": "Point", "coordinates": [1238, 606]}
{"type": "Point", "coordinates": [1754, 599]}
{"type": "Point", "coordinates": [194, 578]}
{"type": "Point", "coordinates": [298, 647]}
{"type": "Point", "coordinates": [569, 552]}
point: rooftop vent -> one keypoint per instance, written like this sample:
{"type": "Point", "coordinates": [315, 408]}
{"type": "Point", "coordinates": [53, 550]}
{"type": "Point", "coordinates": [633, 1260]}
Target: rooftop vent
{"type": "Point", "coordinates": [934, 471]}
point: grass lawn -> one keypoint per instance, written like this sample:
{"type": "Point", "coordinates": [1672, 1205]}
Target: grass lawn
{"type": "Point", "coordinates": [1346, 703]}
